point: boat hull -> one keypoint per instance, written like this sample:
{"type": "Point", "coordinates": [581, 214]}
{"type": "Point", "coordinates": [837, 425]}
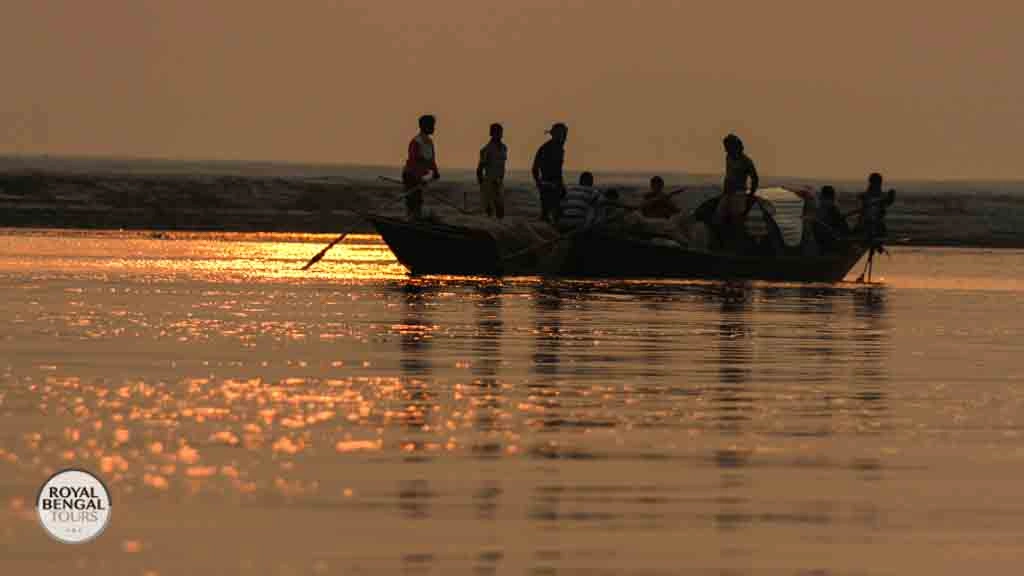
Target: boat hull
{"type": "Point", "coordinates": [597, 255]}
{"type": "Point", "coordinates": [430, 248]}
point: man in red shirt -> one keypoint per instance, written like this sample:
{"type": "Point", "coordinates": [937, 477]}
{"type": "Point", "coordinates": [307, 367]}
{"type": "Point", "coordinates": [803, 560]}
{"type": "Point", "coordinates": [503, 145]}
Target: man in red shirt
{"type": "Point", "coordinates": [421, 161]}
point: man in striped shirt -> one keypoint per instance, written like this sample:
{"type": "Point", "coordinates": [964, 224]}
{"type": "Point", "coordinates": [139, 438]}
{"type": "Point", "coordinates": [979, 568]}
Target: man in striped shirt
{"type": "Point", "coordinates": [577, 206]}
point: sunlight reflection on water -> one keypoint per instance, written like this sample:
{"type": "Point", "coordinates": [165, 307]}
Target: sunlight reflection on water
{"type": "Point", "coordinates": [467, 425]}
{"type": "Point", "coordinates": [236, 258]}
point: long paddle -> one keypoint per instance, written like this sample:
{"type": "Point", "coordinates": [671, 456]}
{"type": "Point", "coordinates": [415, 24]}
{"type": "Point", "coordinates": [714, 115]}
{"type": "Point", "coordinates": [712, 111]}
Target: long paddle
{"type": "Point", "coordinates": [320, 255]}
{"type": "Point", "coordinates": [867, 267]}
{"type": "Point", "coordinates": [437, 196]}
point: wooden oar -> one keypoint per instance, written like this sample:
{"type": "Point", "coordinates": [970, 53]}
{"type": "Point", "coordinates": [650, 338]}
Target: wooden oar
{"type": "Point", "coordinates": [320, 255]}
{"type": "Point", "coordinates": [867, 267]}
{"type": "Point", "coordinates": [427, 188]}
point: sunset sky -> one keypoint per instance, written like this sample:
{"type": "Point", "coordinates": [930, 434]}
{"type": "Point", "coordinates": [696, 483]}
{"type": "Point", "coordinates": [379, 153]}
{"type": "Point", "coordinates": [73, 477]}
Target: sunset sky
{"type": "Point", "coordinates": [918, 90]}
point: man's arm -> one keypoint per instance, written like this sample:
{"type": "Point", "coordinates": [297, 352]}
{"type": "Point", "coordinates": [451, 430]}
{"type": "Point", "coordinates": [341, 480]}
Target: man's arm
{"type": "Point", "coordinates": [844, 226]}
{"type": "Point", "coordinates": [480, 166]}
{"type": "Point", "coordinates": [535, 170]}
{"type": "Point", "coordinates": [754, 180]}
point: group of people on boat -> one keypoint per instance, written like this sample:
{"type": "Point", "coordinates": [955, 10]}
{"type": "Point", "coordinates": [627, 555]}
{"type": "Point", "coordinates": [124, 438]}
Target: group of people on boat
{"type": "Point", "coordinates": [571, 207]}
{"type": "Point", "coordinates": [825, 226]}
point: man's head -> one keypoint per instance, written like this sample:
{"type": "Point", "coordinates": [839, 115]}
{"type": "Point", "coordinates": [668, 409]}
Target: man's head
{"type": "Point", "coordinates": [427, 122]}
{"type": "Point", "coordinates": [733, 145]}
{"type": "Point", "coordinates": [828, 194]}
{"type": "Point", "coordinates": [559, 132]}
{"type": "Point", "coordinates": [875, 181]}
{"type": "Point", "coordinates": [497, 131]}
{"type": "Point", "coordinates": [586, 179]}
{"type": "Point", "coordinates": [657, 184]}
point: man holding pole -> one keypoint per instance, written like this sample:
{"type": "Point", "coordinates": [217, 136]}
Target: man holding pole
{"type": "Point", "coordinates": [421, 161]}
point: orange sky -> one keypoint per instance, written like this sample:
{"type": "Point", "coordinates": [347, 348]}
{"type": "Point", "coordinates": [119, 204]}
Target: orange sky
{"type": "Point", "coordinates": [818, 88]}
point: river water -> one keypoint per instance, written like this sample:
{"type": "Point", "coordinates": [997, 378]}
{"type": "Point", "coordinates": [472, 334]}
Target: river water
{"type": "Point", "coordinates": [251, 418]}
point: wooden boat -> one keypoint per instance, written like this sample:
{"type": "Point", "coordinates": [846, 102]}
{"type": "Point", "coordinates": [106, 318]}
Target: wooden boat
{"type": "Point", "coordinates": [436, 248]}
{"type": "Point", "coordinates": [433, 248]}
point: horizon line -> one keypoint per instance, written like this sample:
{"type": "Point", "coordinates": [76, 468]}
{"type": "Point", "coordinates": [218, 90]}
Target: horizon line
{"type": "Point", "coordinates": [7, 156]}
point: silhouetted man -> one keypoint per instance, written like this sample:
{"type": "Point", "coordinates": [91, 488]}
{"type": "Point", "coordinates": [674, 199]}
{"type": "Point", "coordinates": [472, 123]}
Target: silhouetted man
{"type": "Point", "coordinates": [421, 161]}
{"type": "Point", "coordinates": [873, 204]}
{"type": "Point", "coordinates": [490, 173]}
{"type": "Point", "coordinates": [732, 205]}
{"type": "Point", "coordinates": [547, 173]}
{"type": "Point", "coordinates": [577, 206]}
{"type": "Point", "coordinates": [830, 227]}
{"type": "Point", "coordinates": [739, 168]}
{"type": "Point", "coordinates": [657, 204]}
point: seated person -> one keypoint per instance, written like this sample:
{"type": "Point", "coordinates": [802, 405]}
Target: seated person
{"type": "Point", "coordinates": [678, 228]}
{"type": "Point", "coordinates": [609, 208]}
{"type": "Point", "coordinates": [577, 206]}
{"type": "Point", "coordinates": [657, 204]}
{"type": "Point", "coordinates": [830, 226]}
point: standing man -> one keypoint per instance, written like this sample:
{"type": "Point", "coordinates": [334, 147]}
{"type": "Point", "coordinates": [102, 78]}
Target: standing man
{"type": "Point", "coordinates": [873, 204]}
{"type": "Point", "coordinates": [421, 161]}
{"type": "Point", "coordinates": [490, 173]}
{"type": "Point", "coordinates": [732, 207]}
{"type": "Point", "coordinates": [547, 173]}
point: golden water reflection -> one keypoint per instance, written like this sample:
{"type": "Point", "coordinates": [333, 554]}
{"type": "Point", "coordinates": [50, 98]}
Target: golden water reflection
{"type": "Point", "coordinates": [216, 257]}
{"type": "Point", "coordinates": [478, 424]}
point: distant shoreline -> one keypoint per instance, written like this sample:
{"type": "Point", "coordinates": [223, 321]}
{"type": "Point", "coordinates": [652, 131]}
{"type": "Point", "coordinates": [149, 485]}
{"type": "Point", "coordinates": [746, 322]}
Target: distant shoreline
{"type": "Point", "coordinates": [940, 215]}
